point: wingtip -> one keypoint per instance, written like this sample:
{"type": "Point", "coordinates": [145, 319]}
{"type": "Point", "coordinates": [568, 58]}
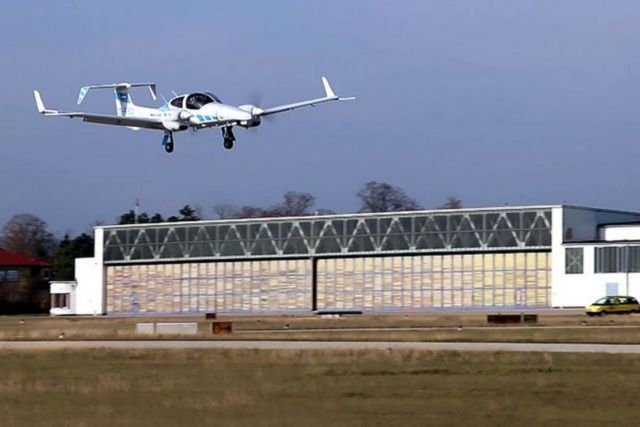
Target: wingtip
{"type": "Point", "coordinates": [327, 88]}
{"type": "Point", "coordinates": [39, 103]}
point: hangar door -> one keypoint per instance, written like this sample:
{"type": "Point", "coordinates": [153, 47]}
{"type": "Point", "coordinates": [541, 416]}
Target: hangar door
{"type": "Point", "coordinates": [238, 286]}
{"type": "Point", "coordinates": [435, 281]}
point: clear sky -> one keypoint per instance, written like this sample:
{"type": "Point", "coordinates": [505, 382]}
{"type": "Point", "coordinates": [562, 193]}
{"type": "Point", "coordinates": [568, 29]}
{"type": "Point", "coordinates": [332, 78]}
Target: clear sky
{"type": "Point", "coordinates": [519, 102]}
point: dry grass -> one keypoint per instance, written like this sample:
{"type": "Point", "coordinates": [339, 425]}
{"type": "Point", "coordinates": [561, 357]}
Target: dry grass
{"type": "Point", "coordinates": [568, 328]}
{"type": "Point", "coordinates": [291, 388]}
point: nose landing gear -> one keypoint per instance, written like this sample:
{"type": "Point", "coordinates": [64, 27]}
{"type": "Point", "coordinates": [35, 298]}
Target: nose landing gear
{"type": "Point", "coordinates": [167, 142]}
{"type": "Point", "coordinates": [229, 137]}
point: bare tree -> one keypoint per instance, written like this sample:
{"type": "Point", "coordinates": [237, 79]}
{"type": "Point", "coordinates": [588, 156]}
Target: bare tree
{"type": "Point", "coordinates": [382, 197]}
{"type": "Point", "coordinates": [452, 203]}
{"type": "Point", "coordinates": [224, 211]}
{"type": "Point", "coordinates": [293, 204]}
{"type": "Point", "coordinates": [250, 212]}
{"type": "Point", "coordinates": [27, 234]}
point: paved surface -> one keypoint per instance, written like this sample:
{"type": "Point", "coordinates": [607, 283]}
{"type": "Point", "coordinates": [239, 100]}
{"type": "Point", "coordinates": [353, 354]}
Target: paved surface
{"type": "Point", "coordinates": [320, 345]}
{"type": "Point", "coordinates": [436, 328]}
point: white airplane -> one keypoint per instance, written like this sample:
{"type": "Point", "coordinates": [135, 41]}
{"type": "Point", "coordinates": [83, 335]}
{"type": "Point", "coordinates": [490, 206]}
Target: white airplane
{"type": "Point", "coordinates": [193, 110]}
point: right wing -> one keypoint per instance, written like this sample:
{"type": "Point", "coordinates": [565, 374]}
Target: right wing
{"type": "Point", "coordinates": [98, 118]}
{"type": "Point", "coordinates": [329, 96]}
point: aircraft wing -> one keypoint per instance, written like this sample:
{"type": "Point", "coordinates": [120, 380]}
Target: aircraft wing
{"type": "Point", "coordinates": [98, 118]}
{"type": "Point", "coordinates": [119, 121]}
{"type": "Point", "coordinates": [329, 96]}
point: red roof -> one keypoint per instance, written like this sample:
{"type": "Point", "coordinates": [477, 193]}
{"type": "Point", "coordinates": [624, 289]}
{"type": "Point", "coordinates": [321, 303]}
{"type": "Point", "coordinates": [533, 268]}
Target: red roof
{"type": "Point", "coordinates": [11, 259]}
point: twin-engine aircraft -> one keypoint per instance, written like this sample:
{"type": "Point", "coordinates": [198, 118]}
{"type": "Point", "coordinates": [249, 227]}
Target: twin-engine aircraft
{"type": "Point", "coordinates": [193, 110]}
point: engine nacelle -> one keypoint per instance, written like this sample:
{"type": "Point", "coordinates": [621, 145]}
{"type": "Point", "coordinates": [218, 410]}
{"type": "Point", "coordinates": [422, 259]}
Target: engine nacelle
{"type": "Point", "coordinates": [255, 112]}
{"type": "Point", "coordinates": [254, 122]}
{"type": "Point", "coordinates": [184, 115]}
{"type": "Point", "coordinates": [173, 125]}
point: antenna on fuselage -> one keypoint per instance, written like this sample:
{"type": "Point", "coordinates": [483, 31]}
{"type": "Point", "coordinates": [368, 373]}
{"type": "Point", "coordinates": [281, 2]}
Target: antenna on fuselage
{"type": "Point", "coordinates": [174, 93]}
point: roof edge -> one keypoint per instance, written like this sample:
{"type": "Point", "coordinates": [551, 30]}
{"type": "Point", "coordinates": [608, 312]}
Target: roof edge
{"type": "Point", "coordinates": [332, 216]}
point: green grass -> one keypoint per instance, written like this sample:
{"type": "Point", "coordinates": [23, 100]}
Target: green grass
{"type": "Point", "coordinates": [292, 388]}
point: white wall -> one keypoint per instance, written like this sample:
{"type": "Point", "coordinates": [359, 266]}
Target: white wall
{"type": "Point", "coordinates": [557, 255]}
{"type": "Point", "coordinates": [89, 289]}
{"type": "Point", "coordinates": [620, 232]}
{"type": "Point", "coordinates": [578, 290]}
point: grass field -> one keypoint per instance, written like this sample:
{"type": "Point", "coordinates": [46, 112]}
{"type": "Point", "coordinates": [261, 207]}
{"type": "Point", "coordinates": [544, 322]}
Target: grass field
{"type": "Point", "coordinates": [566, 328]}
{"type": "Point", "coordinates": [292, 388]}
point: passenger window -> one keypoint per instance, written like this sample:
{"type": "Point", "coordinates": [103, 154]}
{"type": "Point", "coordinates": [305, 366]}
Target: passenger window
{"type": "Point", "coordinates": [177, 102]}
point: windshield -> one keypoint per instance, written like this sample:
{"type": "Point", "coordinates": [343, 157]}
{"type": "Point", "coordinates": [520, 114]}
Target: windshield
{"type": "Point", "coordinates": [601, 301]}
{"type": "Point", "coordinates": [197, 100]}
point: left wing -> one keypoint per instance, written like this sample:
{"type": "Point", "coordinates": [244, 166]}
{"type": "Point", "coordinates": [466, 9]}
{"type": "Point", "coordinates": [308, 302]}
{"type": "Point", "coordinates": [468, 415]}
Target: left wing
{"type": "Point", "coordinates": [98, 118]}
{"type": "Point", "coordinates": [329, 96]}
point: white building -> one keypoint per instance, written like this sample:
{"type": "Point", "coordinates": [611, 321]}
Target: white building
{"type": "Point", "coordinates": [489, 258]}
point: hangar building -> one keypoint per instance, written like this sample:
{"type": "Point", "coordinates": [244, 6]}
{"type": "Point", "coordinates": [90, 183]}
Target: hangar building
{"type": "Point", "coordinates": [489, 258]}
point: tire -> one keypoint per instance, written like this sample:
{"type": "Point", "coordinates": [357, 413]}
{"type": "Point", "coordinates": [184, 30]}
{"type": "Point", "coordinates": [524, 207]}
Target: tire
{"type": "Point", "coordinates": [169, 147]}
{"type": "Point", "coordinates": [228, 144]}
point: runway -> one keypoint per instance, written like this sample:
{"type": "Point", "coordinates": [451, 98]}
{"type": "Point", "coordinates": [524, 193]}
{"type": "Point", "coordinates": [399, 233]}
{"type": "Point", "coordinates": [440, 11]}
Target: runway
{"type": "Point", "coordinates": [321, 345]}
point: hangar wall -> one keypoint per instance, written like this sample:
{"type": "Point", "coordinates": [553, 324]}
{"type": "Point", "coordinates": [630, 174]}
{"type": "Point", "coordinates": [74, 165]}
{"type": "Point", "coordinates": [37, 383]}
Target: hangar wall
{"type": "Point", "coordinates": [462, 258]}
{"type": "Point", "coordinates": [418, 282]}
{"type": "Point", "coordinates": [435, 281]}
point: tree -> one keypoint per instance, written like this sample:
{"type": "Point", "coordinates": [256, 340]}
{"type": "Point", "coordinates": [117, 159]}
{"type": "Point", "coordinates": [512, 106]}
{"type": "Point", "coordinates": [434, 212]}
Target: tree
{"type": "Point", "coordinates": [250, 212]}
{"type": "Point", "coordinates": [452, 203]}
{"type": "Point", "coordinates": [187, 213]}
{"type": "Point", "coordinates": [27, 234]}
{"type": "Point", "coordinates": [68, 250]}
{"type": "Point", "coordinates": [156, 218]}
{"type": "Point", "coordinates": [224, 211]}
{"type": "Point", "coordinates": [127, 218]}
{"type": "Point", "coordinates": [293, 204]}
{"type": "Point", "coordinates": [143, 218]}
{"type": "Point", "coordinates": [382, 197]}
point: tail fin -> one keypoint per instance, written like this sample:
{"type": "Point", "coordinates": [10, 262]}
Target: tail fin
{"type": "Point", "coordinates": [123, 100]}
{"type": "Point", "coordinates": [124, 103]}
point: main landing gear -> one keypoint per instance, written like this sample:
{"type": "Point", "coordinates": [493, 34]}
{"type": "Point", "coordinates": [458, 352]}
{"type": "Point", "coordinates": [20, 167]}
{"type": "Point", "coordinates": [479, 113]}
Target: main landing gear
{"type": "Point", "coordinates": [228, 136]}
{"type": "Point", "coordinates": [167, 142]}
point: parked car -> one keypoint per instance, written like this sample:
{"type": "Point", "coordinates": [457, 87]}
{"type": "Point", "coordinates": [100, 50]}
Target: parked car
{"type": "Point", "coordinates": [613, 304]}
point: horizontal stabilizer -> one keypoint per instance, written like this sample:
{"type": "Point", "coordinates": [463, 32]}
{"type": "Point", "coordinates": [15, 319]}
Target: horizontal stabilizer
{"type": "Point", "coordinates": [117, 86]}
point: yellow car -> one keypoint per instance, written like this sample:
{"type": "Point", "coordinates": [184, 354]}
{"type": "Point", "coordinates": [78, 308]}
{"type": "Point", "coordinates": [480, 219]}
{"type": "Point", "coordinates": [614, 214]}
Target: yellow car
{"type": "Point", "coordinates": [613, 304]}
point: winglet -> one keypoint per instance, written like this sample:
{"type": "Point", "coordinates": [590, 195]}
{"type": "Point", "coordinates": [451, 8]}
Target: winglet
{"type": "Point", "coordinates": [39, 102]}
{"type": "Point", "coordinates": [327, 88]}
{"type": "Point", "coordinates": [41, 108]}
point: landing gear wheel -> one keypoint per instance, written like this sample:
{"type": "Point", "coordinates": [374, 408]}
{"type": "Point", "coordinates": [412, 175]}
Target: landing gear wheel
{"type": "Point", "coordinates": [169, 147]}
{"type": "Point", "coordinates": [229, 137]}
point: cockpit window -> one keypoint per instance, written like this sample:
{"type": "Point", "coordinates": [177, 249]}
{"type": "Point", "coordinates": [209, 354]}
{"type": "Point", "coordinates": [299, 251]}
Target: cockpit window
{"type": "Point", "coordinates": [197, 100]}
{"type": "Point", "coordinates": [177, 102]}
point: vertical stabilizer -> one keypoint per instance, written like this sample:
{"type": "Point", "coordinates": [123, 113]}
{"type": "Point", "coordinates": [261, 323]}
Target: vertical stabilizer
{"type": "Point", "coordinates": [124, 104]}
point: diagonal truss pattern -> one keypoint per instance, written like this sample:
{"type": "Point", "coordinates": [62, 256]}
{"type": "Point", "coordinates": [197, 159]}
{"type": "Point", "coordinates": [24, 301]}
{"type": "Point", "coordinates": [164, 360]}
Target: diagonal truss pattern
{"type": "Point", "coordinates": [418, 232]}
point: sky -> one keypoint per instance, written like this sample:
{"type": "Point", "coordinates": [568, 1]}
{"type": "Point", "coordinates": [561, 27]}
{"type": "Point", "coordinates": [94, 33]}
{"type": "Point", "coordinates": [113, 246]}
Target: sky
{"type": "Point", "coordinates": [494, 102]}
